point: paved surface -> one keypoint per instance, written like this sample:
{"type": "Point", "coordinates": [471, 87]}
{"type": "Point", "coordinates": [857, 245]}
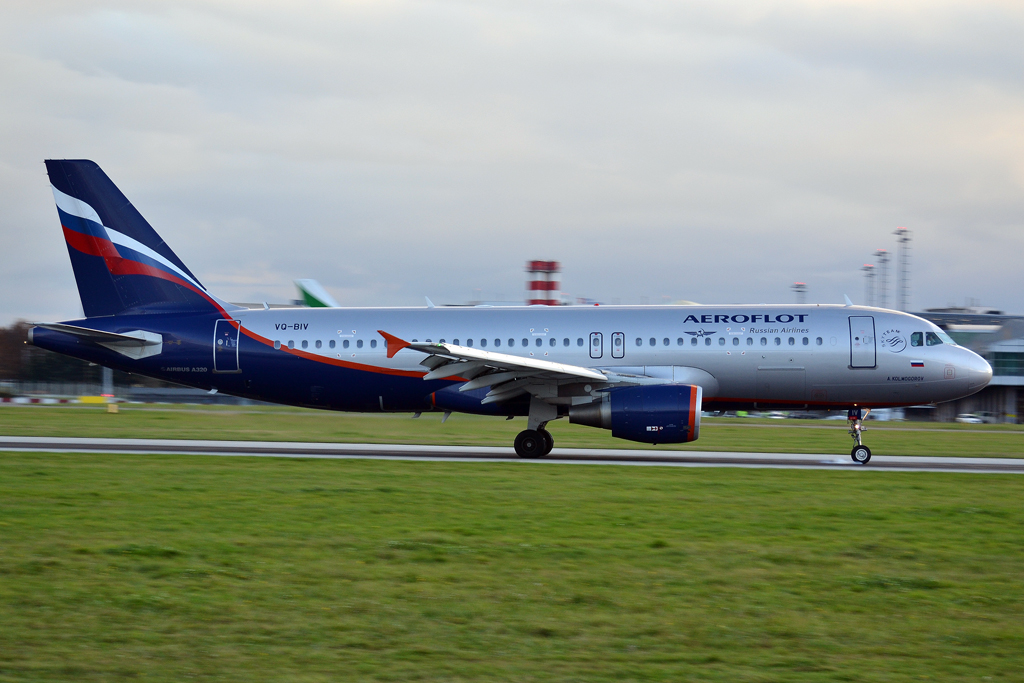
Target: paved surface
{"type": "Point", "coordinates": [279, 449]}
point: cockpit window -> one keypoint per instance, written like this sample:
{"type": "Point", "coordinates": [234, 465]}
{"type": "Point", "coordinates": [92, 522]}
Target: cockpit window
{"type": "Point", "coordinates": [932, 339]}
{"type": "Point", "coordinates": [946, 339]}
{"type": "Point", "coordinates": [917, 339]}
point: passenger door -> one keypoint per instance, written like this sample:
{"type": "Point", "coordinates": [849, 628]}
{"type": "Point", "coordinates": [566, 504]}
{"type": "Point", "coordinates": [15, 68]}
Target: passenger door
{"type": "Point", "coordinates": [862, 341]}
{"type": "Point", "coordinates": [225, 346]}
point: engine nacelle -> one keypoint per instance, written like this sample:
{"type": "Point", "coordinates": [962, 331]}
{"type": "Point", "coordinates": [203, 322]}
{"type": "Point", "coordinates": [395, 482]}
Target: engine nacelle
{"type": "Point", "coordinates": [662, 413]}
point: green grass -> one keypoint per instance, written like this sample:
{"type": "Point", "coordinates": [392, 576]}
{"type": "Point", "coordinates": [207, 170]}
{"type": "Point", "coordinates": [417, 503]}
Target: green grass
{"type": "Point", "coordinates": [290, 424]}
{"type": "Point", "coordinates": [170, 568]}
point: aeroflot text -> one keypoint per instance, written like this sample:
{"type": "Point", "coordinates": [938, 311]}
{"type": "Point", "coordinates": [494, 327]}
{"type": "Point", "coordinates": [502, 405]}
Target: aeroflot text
{"type": "Point", "coordinates": [741, 318]}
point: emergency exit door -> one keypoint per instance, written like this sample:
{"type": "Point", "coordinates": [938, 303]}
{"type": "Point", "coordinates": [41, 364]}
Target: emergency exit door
{"type": "Point", "coordinates": [596, 345]}
{"type": "Point", "coordinates": [225, 346]}
{"type": "Point", "coordinates": [862, 341]}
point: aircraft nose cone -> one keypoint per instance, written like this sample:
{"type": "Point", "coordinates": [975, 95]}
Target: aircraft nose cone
{"type": "Point", "coordinates": [979, 372]}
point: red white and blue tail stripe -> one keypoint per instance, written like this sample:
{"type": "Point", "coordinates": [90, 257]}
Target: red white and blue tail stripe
{"type": "Point", "coordinates": [121, 264]}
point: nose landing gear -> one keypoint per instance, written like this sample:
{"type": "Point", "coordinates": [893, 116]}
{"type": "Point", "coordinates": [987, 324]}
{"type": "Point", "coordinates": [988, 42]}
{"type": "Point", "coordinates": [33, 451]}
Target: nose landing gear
{"type": "Point", "coordinates": [861, 454]}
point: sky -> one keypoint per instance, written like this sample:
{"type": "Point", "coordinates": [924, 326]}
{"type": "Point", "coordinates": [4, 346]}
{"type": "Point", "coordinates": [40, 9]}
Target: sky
{"type": "Point", "coordinates": [661, 151]}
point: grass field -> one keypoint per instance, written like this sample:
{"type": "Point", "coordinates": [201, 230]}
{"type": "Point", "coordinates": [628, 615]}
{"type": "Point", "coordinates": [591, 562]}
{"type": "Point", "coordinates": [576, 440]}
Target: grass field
{"type": "Point", "coordinates": [171, 568]}
{"type": "Point", "coordinates": [289, 424]}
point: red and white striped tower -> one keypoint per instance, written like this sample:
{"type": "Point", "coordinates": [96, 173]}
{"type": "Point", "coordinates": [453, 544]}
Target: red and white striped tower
{"type": "Point", "coordinates": [542, 283]}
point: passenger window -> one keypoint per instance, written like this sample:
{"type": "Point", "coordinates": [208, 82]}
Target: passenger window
{"type": "Point", "coordinates": [735, 341]}
{"type": "Point", "coordinates": [511, 342]}
{"type": "Point", "coordinates": [538, 341]}
{"type": "Point", "coordinates": [679, 342]}
{"type": "Point", "coordinates": [707, 341]}
{"type": "Point", "coordinates": [617, 341]}
{"type": "Point", "coordinates": [792, 341]}
{"type": "Point", "coordinates": [917, 339]}
{"type": "Point", "coordinates": [806, 341]}
{"type": "Point", "coordinates": [344, 343]}
{"type": "Point", "coordinates": [579, 341]}
{"type": "Point", "coordinates": [469, 342]}
{"type": "Point", "coordinates": [483, 343]}
{"type": "Point", "coordinates": [331, 344]}
{"type": "Point", "coordinates": [764, 341]}
{"type": "Point", "coordinates": [693, 341]}
{"type": "Point", "coordinates": [359, 344]}
{"type": "Point", "coordinates": [305, 344]}
{"type": "Point", "coordinates": [778, 341]}
{"type": "Point", "coordinates": [750, 341]}
{"type": "Point", "coordinates": [639, 341]}
{"type": "Point", "coordinates": [291, 344]}
{"type": "Point", "coordinates": [277, 343]}
{"type": "Point", "coordinates": [552, 342]}
{"type": "Point", "coordinates": [818, 341]}
{"type": "Point", "coordinates": [373, 343]}
{"type": "Point", "coordinates": [526, 342]}
{"type": "Point", "coordinates": [319, 343]}
{"type": "Point", "coordinates": [565, 342]}
{"type": "Point", "coordinates": [455, 341]}
{"type": "Point", "coordinates": [652, 341]}
{"type": "Point", "coordinates": [721, 341]}
{"type": "Point", "coordinates": [664, 342]}
{"type": "Point", "coordinates": [497, 342]}
{"type": "Point", "coordinates": [932, 339]}
{"type": "Point", "coordinates": [440, 341]}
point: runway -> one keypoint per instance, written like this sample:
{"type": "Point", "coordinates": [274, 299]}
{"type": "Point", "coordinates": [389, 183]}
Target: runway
{"type": "Point", "coordinates": [562, 456]}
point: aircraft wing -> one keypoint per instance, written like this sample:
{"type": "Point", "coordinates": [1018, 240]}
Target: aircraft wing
{"type": "Point", "coordinates": [508, 375]}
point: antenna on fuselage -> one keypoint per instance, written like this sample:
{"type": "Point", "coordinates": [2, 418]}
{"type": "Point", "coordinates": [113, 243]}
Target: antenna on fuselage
{"type": "Point", "coordinates": [847, 299]}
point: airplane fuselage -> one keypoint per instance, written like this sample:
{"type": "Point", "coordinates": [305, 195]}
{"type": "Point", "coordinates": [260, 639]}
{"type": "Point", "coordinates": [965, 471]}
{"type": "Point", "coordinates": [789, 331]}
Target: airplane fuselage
{"type": "Point", "coordinates": [765, 356]}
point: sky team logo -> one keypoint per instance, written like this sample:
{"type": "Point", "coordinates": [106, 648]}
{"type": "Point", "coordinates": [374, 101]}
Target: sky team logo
{"type": "Point", "coordinates": [893, 340]}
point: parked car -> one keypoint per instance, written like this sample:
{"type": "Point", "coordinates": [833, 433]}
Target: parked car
{"type": "Point", "coordinates": [968, 419]}
{"type": "Point", "coordinates": [989, 417]}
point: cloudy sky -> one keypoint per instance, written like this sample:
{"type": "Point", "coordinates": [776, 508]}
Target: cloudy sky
{"type": "Point", "coordinates": [715, 152]}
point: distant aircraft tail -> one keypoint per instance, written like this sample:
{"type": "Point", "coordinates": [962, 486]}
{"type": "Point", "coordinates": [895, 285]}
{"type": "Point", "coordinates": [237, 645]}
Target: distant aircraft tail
{"type": "Point", "coordinates": [121, 264]}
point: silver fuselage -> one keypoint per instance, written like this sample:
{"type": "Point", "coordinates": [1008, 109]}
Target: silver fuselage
{"type": "Point", "coordinates": [757, 356]}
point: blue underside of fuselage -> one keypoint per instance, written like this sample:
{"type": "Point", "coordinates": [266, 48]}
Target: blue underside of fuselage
{"type": "Point", "coordinates": [264, 373]}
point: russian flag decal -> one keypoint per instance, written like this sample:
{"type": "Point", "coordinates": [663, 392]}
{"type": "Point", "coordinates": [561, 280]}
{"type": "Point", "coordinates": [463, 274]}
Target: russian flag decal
{"type": "Point", "coordinates": [917, 363]}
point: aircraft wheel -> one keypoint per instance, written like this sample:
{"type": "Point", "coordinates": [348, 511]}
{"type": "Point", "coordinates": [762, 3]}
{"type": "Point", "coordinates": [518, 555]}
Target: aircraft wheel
{"type": "Point", "coordinates": [861, 455]}
{"type": "Point", "coordinates": [530, 443]}
{"type": "Point", "coordinates": [549, 441]}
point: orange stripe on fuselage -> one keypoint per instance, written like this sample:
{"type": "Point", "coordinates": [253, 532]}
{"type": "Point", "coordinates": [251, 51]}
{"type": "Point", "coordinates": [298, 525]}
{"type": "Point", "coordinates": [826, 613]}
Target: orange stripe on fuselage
{"type": "Point", "coordinates": [333, 361]}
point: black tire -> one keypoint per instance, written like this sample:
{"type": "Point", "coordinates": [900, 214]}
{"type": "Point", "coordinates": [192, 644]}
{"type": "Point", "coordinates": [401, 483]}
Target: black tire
{"type": "Point", "coordinates": [530, 444]}
{"type": "Point", "coordinates": [861, 455]}
{"type": "Point", "coordinates": [549, 441]}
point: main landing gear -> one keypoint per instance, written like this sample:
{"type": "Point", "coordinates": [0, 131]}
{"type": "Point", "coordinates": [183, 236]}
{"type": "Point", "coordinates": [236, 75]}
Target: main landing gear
{"type": "Point", "coordinates": [535, 441]}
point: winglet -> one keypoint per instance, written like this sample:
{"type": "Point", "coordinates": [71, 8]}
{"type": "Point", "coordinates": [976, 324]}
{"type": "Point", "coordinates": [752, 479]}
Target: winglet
{"type": "Point", "coordinates": [848, 302]}
{"type": "Point", "coordinates": [430, 304]}
{"type": "Point", "coordinates": [394, 343]}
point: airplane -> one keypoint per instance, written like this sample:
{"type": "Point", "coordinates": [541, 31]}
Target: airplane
{"type": "Point", "coordinates": [643, 372]}
{"type": "Point", "coordinates": [314, 295]}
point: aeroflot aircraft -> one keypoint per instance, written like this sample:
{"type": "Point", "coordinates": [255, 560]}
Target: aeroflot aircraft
{"type": "Point", "coordinates": [645, 372]}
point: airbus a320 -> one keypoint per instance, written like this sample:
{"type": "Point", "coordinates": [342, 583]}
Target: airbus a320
{"type": "Point", "coordinates": [643, 372]}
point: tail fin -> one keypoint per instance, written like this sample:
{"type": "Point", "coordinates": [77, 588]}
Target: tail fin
{"type": "Point", "coordinates": [121, 264]}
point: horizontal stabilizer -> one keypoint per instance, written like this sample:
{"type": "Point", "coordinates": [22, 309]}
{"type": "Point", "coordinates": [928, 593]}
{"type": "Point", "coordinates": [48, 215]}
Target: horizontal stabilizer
{"type": "Point", "coordinates": [134, 344]}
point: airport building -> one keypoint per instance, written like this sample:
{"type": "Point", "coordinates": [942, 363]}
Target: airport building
{"type": "Point", "coordinates": [997, 337]}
